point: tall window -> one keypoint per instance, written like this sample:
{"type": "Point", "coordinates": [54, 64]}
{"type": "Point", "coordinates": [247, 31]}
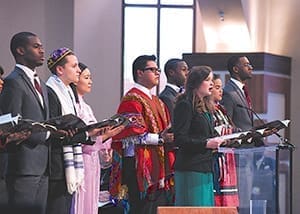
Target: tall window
{"type": "Point", "coordinates": [160, 27]}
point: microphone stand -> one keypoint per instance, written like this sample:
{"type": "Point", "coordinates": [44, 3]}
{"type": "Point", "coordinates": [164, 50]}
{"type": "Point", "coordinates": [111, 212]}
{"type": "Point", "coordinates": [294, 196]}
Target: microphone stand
{"type": "Point", "coordinates": [284, 142]}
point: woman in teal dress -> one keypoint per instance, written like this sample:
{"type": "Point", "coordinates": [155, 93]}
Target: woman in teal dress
{"type": "Point", "coordinates": [195, 138]}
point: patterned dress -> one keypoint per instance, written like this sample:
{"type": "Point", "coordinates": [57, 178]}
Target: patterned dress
{"type": "Point", "coordinates": [225, 178]}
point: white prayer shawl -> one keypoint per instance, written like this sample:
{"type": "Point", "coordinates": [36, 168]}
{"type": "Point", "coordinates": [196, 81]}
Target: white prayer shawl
{"type": "Point", "coordinates": [64, 94]}
{"type": "Point", "coordinates": [73, 160]}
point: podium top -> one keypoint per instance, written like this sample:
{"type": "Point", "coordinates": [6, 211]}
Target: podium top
{"type": "Point", "coordinates": [271, 148]}
{"type": "Point", "coordinates": [256, 132]}
{"type": "Point", "coordinates": [276, 124]}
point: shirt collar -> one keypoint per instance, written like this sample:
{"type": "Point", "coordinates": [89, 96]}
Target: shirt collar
{"type": "Point", "coordinates": [30, 73]}
{"type": "Point", "coordinates": [238, 83]}
{"type": "Point", "coordinates": [143, 89]}
{"type": "Point", "coordinates": [175, 87]}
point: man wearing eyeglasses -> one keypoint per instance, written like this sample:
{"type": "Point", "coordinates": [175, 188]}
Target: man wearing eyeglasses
{"type": "Point", "coordinates": [140, 159]}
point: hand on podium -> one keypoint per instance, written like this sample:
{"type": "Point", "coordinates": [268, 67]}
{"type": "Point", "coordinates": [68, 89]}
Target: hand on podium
{"type": "Point", "coordinates": [254, 137]}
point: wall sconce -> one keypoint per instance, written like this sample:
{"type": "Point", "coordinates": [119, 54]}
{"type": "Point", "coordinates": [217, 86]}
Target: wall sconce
{"type": "Point", "coordinates": [221, 15]}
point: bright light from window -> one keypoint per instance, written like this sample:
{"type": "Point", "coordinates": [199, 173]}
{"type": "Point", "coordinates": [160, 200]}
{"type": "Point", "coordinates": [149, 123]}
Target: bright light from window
{"type": "Point", "coordinates": [141, 1]}
{"type": "Point", "coordinates": [140, 38]}
{"type": "Point", "coordinates": [177, 2]}
{"type": "Point", "coordinates": [176, 35]}
{"type": "Point", "coordinates": [229, 37]}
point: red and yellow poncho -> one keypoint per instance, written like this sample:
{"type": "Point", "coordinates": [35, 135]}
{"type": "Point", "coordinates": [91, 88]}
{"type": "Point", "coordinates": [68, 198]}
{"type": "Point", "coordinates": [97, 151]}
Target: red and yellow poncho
{"type": "Point", "coordinates": [153, 162]}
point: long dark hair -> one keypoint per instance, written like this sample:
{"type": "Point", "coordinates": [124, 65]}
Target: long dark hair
{"type": "Point", "coordinates": [194, 79]}
{"type": "Point", "coordinates": [82, 67]}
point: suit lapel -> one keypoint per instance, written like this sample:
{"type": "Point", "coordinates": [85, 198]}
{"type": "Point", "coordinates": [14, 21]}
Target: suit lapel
{"type": "Point", "coordinates": [240, 96]}
{"type": "Point", "coordinates": [45, 99]}
{"type": "Point", "coordinates": [172, 91]}
{"type": "Point", "coordinates": [29, 84]}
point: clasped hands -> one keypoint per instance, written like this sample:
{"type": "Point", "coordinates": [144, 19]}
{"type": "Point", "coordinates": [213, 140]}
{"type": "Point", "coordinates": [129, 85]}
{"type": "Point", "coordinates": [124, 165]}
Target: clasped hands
{"type": "Point", "coordinates": [166, 135]}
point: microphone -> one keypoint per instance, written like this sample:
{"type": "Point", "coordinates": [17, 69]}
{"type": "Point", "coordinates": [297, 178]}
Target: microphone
{"type": "Point", "coordinates": [283, 141]}
{"type": "Point", "coordinates": [252, 111]}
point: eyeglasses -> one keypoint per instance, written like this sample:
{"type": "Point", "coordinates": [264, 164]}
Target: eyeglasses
{"type": "Point", "coordinates": [247, 65]}
{"type": "Point", "coordinates": [152, 69]}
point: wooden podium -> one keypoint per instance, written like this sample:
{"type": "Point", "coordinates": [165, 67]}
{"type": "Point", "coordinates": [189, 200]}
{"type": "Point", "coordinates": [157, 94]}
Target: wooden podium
{"type": "Point", "coordinates": [197, 210]}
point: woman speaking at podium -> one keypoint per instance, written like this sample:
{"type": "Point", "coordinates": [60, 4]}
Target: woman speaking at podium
{"type": "Point", "coordinates": [195, 139]}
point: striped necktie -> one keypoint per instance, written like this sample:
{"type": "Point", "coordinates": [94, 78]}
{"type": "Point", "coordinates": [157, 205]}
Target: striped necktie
{"type": "Point", "coordinates": [37, 84]}
{"type": "Point", "coordinates": [248, 98]}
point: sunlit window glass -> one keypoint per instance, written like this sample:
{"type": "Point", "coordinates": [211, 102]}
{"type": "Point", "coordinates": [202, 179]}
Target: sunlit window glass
{"type": "Point", "coordinates": [177, 2]}
{"type": "Point", "coordinates": [140, 37]}
{"type": "Point", "coordinates": [176, 35]}
{"type": "Point", "coordinates": [141, 1]}
{"type": "Point", "coordinates": [142, 20]}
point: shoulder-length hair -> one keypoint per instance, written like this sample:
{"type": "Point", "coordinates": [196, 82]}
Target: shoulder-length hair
{"type": "Point", "coordinates": [194, 79]}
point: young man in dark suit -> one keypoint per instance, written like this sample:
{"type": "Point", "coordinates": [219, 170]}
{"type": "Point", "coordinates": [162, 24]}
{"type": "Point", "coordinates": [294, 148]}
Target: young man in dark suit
{"type": "Point", "coordinates": [176, 71]}
{"type": "Point", "coordinates": [27, 179]}
{"type": "Point", "coordinates": [3, 160]}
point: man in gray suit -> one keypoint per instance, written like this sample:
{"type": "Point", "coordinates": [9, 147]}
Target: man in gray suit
{"type": "Point", "coordinates": [176, 71]}
{"type": "Point", "coordinates": [27, 179]}
{"type": "Point", "coordinates": [237, 103]}
{"type": "Point", "coordinates": [234, 97]}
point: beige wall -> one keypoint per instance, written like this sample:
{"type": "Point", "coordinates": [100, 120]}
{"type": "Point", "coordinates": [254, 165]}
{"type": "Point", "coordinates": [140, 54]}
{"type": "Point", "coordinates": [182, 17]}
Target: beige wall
{"type": "Point", "coordinates": [51, 20]}
{"type": "Point", "coordinates": [98, 43]}
{"type": "Point", "coordinates": [93, 28]}
{"type": "Point", "coordinates": [279, 22]}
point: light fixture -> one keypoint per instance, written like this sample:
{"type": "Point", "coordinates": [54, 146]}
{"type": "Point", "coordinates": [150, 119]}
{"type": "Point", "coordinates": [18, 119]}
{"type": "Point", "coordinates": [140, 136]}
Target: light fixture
{"type": "Point", "coordinates": [221, 15]}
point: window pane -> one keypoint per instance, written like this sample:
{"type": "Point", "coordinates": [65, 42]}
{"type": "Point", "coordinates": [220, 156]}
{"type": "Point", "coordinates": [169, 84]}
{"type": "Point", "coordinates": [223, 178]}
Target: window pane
{"type": "Point", "coordinates": [177, 2]}
{"type": "Point", "coordinates": [140, 38]}
{"type": "Point", "coordinates": [141, 1]}
{"type": "Point", "coordinates": [176, 36]}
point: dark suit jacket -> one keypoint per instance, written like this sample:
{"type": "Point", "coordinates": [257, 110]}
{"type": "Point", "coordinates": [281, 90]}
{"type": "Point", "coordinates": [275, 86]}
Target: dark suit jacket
{"type": "Point", "coordinates": [57, 170]}
{"type": "Point", "coordinates": [168, 96]}
{"type": "Point", "coordinates": [3, 160]}
{"type": "Point", "coordinates": [232, 96]}
{"type": "Point", "coordinates": [20, 97]}
{"type": "Point", "coordinates": [191, 131]}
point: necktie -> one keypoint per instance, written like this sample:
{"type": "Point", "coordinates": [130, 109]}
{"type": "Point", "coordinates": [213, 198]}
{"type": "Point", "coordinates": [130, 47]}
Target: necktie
{"type": "Point", "coordinates": [37, 85]}
{"type": "Point", "coordinates": [245, 88]}
{"type": "Point", "coordinates": [181, 89]}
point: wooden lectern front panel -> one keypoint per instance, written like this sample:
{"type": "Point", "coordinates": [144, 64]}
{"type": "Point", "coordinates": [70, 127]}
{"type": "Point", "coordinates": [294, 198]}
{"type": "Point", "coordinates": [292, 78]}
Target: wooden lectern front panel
{"type": "Point", "coordinates": [197, 210]}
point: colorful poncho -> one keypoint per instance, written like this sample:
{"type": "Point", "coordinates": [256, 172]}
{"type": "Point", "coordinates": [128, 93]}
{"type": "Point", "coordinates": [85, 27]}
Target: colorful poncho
{"type": "Point", "coordinates": [154, 163]}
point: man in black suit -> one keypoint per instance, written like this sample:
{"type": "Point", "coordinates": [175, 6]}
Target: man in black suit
{"type": "Point", "coordinates": [264, 179]}
{"type": "Point", "coordinates": [27, 179]}
{"type": "Point", "coordinates": [176, 71]}
{"type": "Point", "coordinates": [3, 160]}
